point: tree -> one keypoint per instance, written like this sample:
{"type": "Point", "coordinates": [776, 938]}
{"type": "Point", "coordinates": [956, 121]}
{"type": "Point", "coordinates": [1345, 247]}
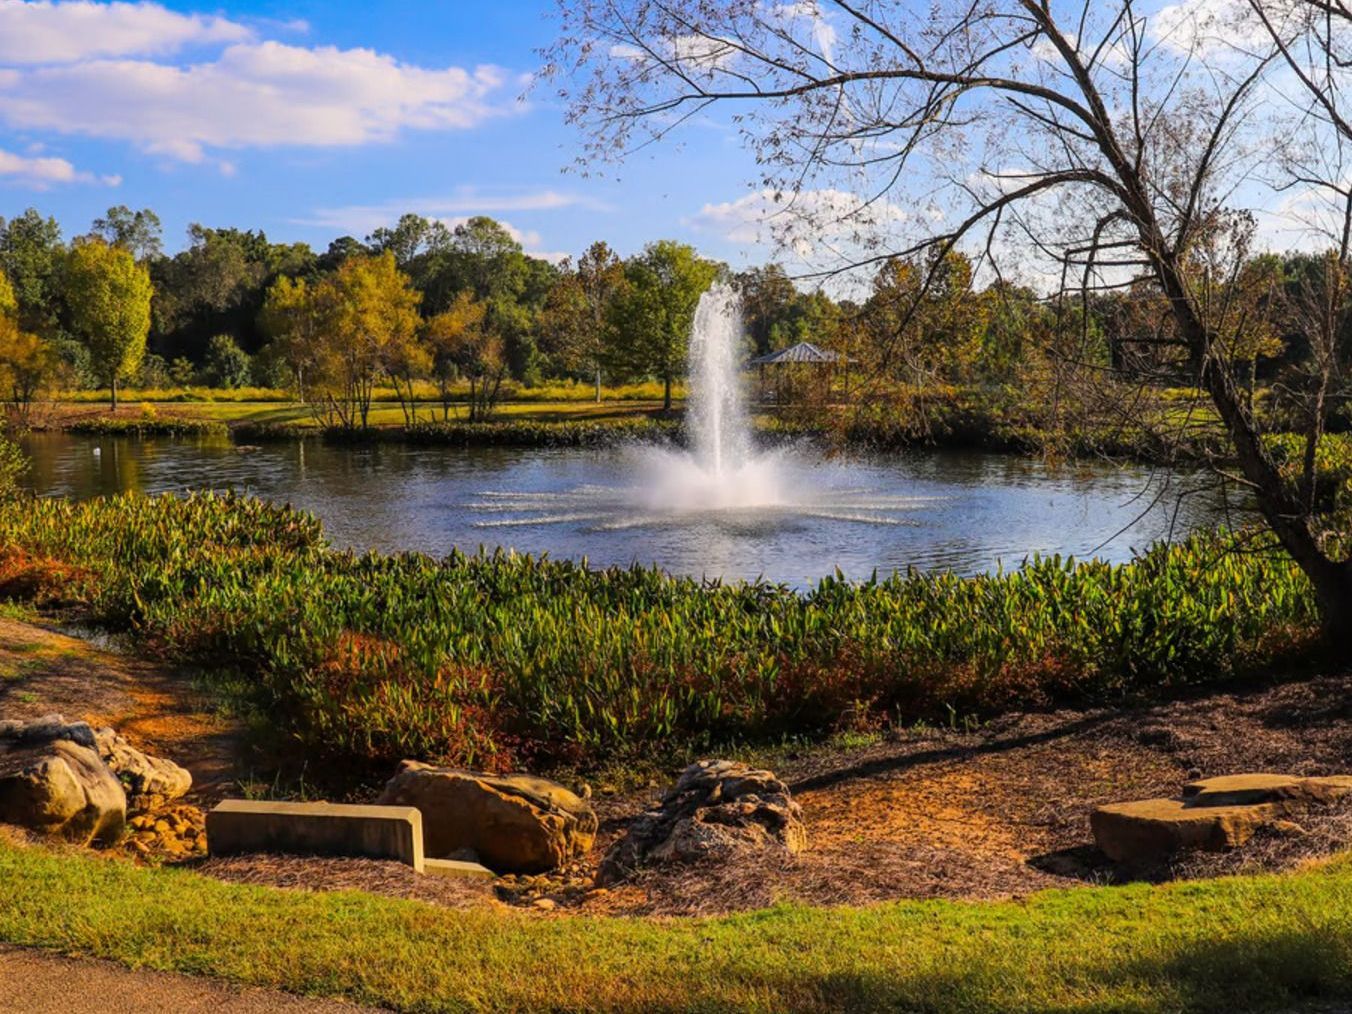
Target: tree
{"type": "Point", "coordinates": [478, 356]}
{"type": "Point", "coordinates": [31, 255]}
{"type": "Point", "coordinates": [411, 237]}
{"type": "Point", "coordinates": [370, 308]}
{"type": "Point", "coordinates": [227, 364]}
{"type": "Point", "coordinates": [1102, 145]}
{"type": "Point", "coordinates": [653, 316]}
{"type": "Point", "coordinates": [768, 297]}
{"type": "Point", "coordinates": [136, 231]}
{"type": "Point", "coordinates": [294, 318]}
{"type": "Point", "coordinates": [451, 335]}
{"type": "Point", "coordinates": [27, 363]}
{"type": "Point", "coordinates": [217, 286]}
{"type": "Point", "coordinates": [109, 297]}
{"type": "Point", "coordinates": [575, 320]}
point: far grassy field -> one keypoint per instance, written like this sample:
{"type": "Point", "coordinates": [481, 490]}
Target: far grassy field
{"type": "Point", "coordinates": [1252, 944]}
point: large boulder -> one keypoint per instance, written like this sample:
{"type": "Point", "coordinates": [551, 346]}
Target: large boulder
{"type": "Point", "coordinates": [717, 809]}
{"type": "Point", "coordinates": [151, 783]}
{"type": "Point", "coordinates": [53, 781]}
{"type": "Point", "coordinates": [512, 823]}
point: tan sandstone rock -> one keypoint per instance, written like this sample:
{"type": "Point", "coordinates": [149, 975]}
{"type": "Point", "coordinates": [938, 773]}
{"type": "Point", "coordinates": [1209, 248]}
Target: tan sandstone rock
{"type": "Point", "coordinates": [1151, 829]}
{"type": "Point", "coordinates": [1239, 790]}
{"type": "Point", "coordinates": [53, 781]}
{"type": "Point", "coordinates": [512, 823]}
{"type": "Point", "coordinates": [151, 783]}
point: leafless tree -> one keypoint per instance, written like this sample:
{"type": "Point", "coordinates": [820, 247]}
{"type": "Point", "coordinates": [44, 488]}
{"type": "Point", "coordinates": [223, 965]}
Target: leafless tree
{"type": "Point", "coordinates": [1086, 138]}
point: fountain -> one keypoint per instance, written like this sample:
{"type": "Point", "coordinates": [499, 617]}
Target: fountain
{"type": "Point", "coordinates": [720, 476]}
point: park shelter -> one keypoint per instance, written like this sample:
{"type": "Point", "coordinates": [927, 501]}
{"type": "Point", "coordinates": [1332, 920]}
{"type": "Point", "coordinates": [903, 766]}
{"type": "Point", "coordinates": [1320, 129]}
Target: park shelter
{"type": "Point", "coordinates": [790, 364]}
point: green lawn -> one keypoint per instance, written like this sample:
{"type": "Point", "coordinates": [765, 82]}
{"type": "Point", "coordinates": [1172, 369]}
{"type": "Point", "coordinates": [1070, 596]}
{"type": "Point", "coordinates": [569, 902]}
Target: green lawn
{"type": "Point", "coordinates": [1259, 943]}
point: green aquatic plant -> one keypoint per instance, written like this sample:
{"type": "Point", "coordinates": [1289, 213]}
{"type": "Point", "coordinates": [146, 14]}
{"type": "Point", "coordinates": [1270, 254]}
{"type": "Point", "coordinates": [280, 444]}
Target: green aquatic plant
{"type": "Point", "coordinates": [495, 658]}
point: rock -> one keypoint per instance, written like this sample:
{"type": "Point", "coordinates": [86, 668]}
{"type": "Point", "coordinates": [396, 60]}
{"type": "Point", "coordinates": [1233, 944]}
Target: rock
{"type": "Point", "coordinates": [716, 809]}
{"type": "Point", "coordinates": [53, 781]}
{"type": "Point", "coordinates": [1154, 829]}
{"type": "Point", "coordinates": [513, 823]}
{"type": "Point", "coordinates": [150, 782]}
{"type": "Point", "coordinates": [1239, 790]}
{"type": "Point", "coordinates": [1214, 814]}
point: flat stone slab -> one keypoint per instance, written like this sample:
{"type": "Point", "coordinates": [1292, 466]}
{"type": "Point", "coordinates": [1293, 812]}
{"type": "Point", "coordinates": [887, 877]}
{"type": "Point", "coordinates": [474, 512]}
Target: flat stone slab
{"type": "Point", "coordinates": [1241, 790]}
{"type": "Point", "coordinates": [333, 829]}
{"type": "Point", "coordinates": [1152, 829]}
{"type": "Point", "coordinates": [456, 868]}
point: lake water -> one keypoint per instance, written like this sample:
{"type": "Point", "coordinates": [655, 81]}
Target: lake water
{"type": "Point", "coordinates": [967, 512]}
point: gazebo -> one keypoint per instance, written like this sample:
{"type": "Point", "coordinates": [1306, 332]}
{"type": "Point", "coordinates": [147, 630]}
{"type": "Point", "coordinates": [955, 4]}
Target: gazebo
{"type": "Point", "coordinates": [802, 354]}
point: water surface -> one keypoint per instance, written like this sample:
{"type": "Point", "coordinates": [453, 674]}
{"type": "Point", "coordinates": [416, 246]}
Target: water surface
{"type": "Point", "coordinates": [969, 512]}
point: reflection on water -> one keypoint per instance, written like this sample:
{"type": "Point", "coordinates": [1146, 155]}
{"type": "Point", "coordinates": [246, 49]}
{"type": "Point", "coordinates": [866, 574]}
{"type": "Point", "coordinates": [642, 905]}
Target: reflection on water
{"type": "Point", "coordinates": [967, 512]}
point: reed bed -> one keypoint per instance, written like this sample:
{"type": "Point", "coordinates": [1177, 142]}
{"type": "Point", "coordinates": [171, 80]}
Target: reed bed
{"type": "Point", "coordinates": [496, 659]}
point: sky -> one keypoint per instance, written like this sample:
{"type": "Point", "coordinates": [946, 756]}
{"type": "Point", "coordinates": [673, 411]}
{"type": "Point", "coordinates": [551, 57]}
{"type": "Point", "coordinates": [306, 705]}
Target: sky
{"type": "Point", "coordinates": [311, 120]}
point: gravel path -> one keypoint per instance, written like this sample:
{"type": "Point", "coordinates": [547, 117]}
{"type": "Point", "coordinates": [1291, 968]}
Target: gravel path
{"type": "Point", "coordinates": [34, 982]}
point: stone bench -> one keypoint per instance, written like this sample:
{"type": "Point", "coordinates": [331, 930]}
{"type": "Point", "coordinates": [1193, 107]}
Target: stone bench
{"type": "Point", "coordinates": [333, 829]}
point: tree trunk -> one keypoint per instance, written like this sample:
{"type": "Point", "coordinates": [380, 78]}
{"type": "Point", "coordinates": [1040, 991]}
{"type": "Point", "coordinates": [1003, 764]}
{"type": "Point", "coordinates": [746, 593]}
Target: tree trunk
{"type": "Point", "coordinates": [1283, 511]}
{"type": "Point", "coordinates": [666, 393]}
{"type": "Point", "coordinates": [113, 388]}
{"type": "Point", "coordinates": [598, 385]}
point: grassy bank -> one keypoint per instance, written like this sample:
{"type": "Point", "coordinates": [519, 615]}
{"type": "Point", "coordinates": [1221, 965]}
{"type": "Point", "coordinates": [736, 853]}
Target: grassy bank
{"type": "Point", "coordinates": [504, 659]}
{"type": "Point", "coordinates": [1262, 943]}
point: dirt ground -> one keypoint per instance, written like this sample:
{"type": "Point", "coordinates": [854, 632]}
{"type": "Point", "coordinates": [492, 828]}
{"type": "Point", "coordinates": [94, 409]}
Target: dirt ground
{"type": "Point", "coordinates": [157, 708]}
{"type": "Point", "coordinates": [997, 812]}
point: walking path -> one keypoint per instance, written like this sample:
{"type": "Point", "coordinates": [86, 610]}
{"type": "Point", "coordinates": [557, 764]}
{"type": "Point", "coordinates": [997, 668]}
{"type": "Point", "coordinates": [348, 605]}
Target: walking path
{"type": "Point", "coordinates": [34, 982]}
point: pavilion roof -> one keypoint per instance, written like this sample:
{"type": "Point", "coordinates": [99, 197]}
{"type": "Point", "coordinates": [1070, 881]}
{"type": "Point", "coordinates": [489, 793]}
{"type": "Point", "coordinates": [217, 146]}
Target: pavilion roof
{"type": "Point", "coordinates": [803, 352]}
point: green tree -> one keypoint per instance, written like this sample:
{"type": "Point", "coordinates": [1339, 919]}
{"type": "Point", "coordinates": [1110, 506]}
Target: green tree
{"type": "Point", "coordinates": [653, 316]}
{"type": "Point", "coordinates": [109, 297]}
{"type": "Point", "coordinates": [575, 319]}
{"type": "Point", "coordinates": [227, 364]}
{"type": "Point", "coordinates": [31, 255]}
{"type": "Point", "coordinates": [136, 231]}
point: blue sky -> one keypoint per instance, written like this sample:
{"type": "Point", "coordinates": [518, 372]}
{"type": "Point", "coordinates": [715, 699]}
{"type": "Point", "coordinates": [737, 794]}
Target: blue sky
{"type": "Point", "coordinates": [391, 107]}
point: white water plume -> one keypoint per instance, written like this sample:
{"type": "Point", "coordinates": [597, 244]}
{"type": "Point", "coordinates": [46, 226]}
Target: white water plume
{"type": "Point", "coordinates": [719, 476]}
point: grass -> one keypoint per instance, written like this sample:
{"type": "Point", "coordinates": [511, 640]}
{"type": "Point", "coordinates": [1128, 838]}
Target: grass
{"type": "Point", "coordinates": [1260, 943]}
{"type": "Point", "coordinates": [503, 659]}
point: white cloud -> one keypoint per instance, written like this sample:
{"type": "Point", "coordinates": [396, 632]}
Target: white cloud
{"type": "Point", "coordinates": [66, 31]}
{"type": "Point", "coordinates": [255, 95]}
{"type": "Point", "coordinates": [810, 223]}
{"type": "Point", "coordinates": [43, 172]}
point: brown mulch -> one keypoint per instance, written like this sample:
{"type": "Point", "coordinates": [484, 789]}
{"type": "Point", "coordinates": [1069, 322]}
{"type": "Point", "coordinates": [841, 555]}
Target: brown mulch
{"type": "Point", "coordinates": [997, 813]}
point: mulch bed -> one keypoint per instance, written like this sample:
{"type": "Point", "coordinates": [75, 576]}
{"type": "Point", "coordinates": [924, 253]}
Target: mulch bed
{"type": "Point", "coordinates": [996, 813]}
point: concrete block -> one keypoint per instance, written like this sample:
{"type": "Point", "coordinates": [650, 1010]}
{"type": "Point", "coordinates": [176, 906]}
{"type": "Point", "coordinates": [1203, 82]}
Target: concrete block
{"type": "Point", "coordinates": [332, 829]}
{"type": "Point", "coordinates": [456, 868]}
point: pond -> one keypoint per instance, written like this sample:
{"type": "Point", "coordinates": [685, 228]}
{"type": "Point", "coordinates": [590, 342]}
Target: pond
{"type": "Point", "coordinates": [968, 512]}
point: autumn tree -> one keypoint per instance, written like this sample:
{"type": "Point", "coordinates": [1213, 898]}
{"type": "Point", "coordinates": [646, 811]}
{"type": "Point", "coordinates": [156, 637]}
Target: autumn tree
{"type": "Point", "coordinates": [450, 336]}
{"type": "Point", "coordinates": [371, 311]}
{"type": "Point", "coordinates": [27, 362]}
{"type": "Point", "coordinates": [294, 317]}
{"type": "Point", "coordinates": [108, 295]}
